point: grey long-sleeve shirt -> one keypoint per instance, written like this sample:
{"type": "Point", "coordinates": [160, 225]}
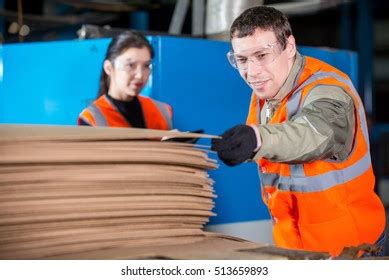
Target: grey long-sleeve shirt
{"type": "Point", "coordinates": [323, 129]}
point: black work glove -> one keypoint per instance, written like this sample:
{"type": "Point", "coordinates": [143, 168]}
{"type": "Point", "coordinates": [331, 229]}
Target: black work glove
{"type": "Point", "coordinates": [236, 146]}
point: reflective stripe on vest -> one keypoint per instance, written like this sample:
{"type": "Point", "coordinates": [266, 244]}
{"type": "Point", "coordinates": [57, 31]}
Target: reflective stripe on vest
{"type": "Point", "coordinates": [319, 182]}
{"type": "Point", "coordinates": [97, 115]}
{"type": "Point", "coordinates": [330, 179]}
{"type": "Point", "coordinates": [164, 111]}
{"type": "Point", "coordinates": [293, 104]}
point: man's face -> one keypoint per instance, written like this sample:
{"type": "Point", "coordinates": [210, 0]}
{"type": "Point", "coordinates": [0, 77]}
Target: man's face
{"type": "Point", "coordinates": [265, 65]}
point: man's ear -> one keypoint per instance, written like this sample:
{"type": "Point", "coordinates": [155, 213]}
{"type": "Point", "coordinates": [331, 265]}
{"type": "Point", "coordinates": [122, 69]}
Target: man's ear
{"type": "Point", "coordinates": [108, 67]}
{"type": "Point", "coordinates": [291, 46]}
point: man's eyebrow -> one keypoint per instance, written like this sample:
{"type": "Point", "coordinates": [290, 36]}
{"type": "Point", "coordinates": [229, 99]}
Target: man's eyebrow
{"type": "Point", "coordinates": [260, 51]}
{"type": "Point", "coordinates": [264, 49]}
{"type": "Point", "coordinates": [255, 52]}
{"type": "Point", "coordinates": [240, 55]}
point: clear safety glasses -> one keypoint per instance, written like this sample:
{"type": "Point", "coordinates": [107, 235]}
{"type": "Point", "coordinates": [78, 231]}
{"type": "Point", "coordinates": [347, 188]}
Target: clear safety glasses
{"type": "Point", "coordinates": [259, 56]}
{"type": "Point", "coordinates": [132, 66]}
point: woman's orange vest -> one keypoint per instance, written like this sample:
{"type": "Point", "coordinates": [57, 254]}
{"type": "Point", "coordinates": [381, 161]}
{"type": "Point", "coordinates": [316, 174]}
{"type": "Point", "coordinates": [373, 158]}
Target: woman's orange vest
{"type": "Point", "coordinates": [322, 205]}
{"type": "Point", "coordinates": [102, 112]}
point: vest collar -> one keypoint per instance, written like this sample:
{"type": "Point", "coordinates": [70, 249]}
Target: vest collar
{"type": "Point", "coordinates": [290, 82]}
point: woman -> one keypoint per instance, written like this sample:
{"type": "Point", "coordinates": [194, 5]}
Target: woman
{"type": "Point", "coordinates": [126, 70]}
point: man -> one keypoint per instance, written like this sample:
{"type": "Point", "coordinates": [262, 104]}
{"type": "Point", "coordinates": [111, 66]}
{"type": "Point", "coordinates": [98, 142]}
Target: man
{"type": "Point", "coordinates": [306, 129]}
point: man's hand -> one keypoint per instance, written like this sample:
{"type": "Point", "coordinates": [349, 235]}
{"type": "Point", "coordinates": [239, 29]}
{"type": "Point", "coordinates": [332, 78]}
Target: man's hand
{"type": "Point", "coordinates": [237, 145]}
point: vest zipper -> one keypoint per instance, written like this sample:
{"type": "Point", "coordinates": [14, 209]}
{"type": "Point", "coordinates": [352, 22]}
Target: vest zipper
{"type": "Point", "coordinates": [269, 112]}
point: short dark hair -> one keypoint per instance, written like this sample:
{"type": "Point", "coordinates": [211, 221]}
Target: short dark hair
{"type": "Point", "coordinates": [119, 44]}
{"type": "Point", "coordinates": [265, 18]}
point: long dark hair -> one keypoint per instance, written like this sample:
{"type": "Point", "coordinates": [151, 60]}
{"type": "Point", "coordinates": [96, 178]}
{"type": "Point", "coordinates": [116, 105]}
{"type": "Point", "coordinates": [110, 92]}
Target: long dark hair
{"type": "Point", "coordinates": [118, 45]}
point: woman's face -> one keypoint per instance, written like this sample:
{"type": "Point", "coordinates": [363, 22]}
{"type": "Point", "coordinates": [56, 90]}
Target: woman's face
{"type": "Point", "coordinates": [128, 73]}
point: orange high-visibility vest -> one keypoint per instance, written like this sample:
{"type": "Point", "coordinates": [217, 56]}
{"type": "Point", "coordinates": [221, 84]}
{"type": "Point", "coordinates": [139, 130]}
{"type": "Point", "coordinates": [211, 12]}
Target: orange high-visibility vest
{"type": "Point", "coordinates": [322, 205]}
{"type": "Point", "coordinates": [102, 112]}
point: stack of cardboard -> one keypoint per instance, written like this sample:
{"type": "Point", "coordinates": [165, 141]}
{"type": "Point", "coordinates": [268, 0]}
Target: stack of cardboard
{"type": "Point", "coordinates": [111, 193]}
{"type": "Point", "coordinates": [80, 188]}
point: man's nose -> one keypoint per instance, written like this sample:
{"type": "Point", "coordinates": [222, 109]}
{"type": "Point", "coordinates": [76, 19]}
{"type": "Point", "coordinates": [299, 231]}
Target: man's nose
{"type": "Point", "coordinates": [253, 68]}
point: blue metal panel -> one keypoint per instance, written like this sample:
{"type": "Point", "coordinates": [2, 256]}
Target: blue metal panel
{"type": "Point", "coordinates": [194, 76]}
{"type": "Point", "coordinates": [51, 82]}
{"type": "Point", "coordinates": [1, 69]}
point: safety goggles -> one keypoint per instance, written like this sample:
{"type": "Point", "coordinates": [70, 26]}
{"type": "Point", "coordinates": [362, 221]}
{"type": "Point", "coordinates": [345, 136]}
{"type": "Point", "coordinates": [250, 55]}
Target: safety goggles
{"type": "Point", "coordinates": [260, 56]}
{"type": "Point", "coordinates": [132, 66]}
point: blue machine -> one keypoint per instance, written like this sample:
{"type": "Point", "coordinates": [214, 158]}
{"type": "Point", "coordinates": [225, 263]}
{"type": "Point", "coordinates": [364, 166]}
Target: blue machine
{"type": "Point", "coordinates": [50, 83]}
